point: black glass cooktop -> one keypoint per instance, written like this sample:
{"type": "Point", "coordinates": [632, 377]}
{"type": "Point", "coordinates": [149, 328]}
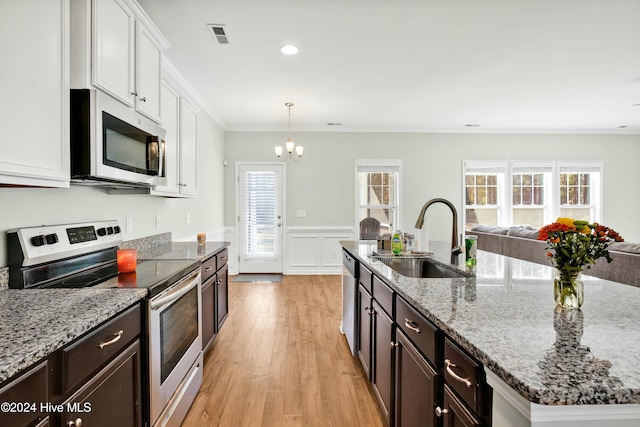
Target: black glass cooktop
{"type": "Point", "coordinates": [154, 275]}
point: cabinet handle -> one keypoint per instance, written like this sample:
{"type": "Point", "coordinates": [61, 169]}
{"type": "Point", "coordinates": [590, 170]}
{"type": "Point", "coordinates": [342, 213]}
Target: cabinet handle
{"type": "Point", "coordinates": [208, 268]}
{"type": "Point", "coordinates": [182, 185]}
{"type": "Point", "coordinates": [448, 365]}
{"type": "Point", "coordinates": [394, 344]}
{"type": "Point", "coordinates": [75, 423]}
{"type": "Point", "coordinates": [134, 93]}
{"type": "Point", "coordinates": [143, 99]}
{"type": "Point", "coordinates": [111, 341]}
{"type": "Point", "coordinates": [411, 325]}
{"type": "Point", "coordinates": [440, 412]}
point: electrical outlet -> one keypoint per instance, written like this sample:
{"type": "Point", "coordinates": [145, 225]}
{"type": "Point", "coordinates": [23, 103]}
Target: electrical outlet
{"type": "Point", "coordinates": [188, 218]}
{"type": "Point", "coordinates": [302, 213]}
{"type": "Point", "coordinates": [157, 221]}
{"type": "Point", "coordinates": [128, 225]}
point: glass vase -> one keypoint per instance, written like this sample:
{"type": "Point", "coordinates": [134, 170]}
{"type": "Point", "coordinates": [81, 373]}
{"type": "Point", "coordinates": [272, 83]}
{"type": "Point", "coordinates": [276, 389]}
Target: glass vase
{"type": "Point", "coordinates": [568, 289]}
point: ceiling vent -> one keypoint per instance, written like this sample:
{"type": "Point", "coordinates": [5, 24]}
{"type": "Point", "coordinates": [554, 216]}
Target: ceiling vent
{"type": "Point", "coordinates": [218, 33]}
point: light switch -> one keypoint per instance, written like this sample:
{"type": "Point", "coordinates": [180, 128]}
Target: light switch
{"type": "Point", "coordinates": [301, 213]}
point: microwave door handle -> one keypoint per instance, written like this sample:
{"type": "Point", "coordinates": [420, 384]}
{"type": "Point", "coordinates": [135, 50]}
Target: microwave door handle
{"type": "Point", "coordinates": [176, 293]}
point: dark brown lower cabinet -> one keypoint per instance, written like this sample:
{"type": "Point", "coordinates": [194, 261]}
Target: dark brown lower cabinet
{"type": "Point", "coordinates": [365, 311]}
{"type": "Point", "coordinates": [382, 363]}
{"type": "Point", "coordinates": [208, 311]}
{"type": "Point", "coordinates": [454, 413]}
{"type": "Point", "coordinates": [112, 397]}
{"type": "Point", "coordinates": [416, 387]}
{"type": "Point", "coordinates": [222, 296]}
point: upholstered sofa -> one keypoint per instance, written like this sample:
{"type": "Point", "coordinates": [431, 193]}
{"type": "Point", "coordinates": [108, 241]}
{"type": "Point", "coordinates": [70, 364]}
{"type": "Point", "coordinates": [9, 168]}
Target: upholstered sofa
{"type": "Point", "coordinates": [521, 242]}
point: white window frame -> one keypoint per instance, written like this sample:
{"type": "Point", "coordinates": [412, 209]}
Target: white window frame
{"type": "Point", "coordinates": [378, 165]}
{"type": "Point", "coordinates": [548, 168]}
{"type": "Point", "coordinates": [596, 187]}
{"type": "Point", "coordinates": [551, 197]}
{"type": "Point", "coordinates": [500, 167]}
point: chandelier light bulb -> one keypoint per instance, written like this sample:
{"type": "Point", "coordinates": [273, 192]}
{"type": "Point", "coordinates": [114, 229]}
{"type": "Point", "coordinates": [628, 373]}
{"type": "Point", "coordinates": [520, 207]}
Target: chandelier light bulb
{"type": "Point", "coordinates": [278, 151]}
{"type": "Point", "coordinates": [299, 150]}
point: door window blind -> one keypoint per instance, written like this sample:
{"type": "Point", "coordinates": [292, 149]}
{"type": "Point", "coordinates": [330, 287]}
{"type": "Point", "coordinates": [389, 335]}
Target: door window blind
{"type": "Point", "coordinates": [260, 214]}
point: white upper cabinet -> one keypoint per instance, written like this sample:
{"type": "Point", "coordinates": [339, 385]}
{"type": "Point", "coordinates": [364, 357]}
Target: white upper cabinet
{"type": "Point", "coordinates": [180, 119]}
{"type": "Point", "coordinates": [34, 106]}
{"type": "Point", "coordinates": [170, 112]}
{"type": "Point", "coordinates": [116, 48]}
{"type": "Point", "coordinates": [188, 182]}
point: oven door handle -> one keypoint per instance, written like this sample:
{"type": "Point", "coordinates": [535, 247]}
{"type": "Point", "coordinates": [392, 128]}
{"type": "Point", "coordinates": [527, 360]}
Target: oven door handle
{"type": "Point", "coordinates": [176, 292]}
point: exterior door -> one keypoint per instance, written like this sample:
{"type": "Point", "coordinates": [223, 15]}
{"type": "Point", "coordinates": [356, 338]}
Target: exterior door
{"type": "Point", "coordinates": [260, 217]}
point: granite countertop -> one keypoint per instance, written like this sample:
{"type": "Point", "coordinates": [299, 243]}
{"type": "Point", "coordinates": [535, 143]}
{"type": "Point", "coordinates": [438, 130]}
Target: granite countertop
{"type": "Point", "coordinates": [37, 322]}
{"type": "Point", "coordinates": [506, 317]}
{"type": "Point", "coordinates": [182, 250]}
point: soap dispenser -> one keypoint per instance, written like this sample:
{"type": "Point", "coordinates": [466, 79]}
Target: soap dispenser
{"type": "Point", "coordinates": [397, 242]}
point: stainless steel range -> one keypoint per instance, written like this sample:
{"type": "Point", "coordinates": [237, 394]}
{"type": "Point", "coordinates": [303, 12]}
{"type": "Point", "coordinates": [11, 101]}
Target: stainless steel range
{"type": "Point", "coordinates": [84, 255]}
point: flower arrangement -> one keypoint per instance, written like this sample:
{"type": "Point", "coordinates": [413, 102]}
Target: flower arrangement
{"type": "Point", "coordinates": [577, 244]}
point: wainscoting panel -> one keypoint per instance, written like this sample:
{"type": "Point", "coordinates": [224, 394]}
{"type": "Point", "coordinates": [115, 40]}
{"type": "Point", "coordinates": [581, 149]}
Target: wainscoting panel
{"type": "Point", "coordinates": [315, 250]}
{"type": "Point", "coordinates": [307, 250]}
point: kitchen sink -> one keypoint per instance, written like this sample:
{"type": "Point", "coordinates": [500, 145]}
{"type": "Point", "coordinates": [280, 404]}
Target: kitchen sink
{"type": "Point", "coordinates": [420, 267]}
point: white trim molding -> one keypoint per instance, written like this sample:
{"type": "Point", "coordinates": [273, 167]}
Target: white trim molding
{"type": "Point", "coordinates": [510, 409]}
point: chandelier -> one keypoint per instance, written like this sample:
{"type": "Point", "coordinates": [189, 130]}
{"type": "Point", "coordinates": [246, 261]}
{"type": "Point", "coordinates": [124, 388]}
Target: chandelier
{"type": "Point", "coordinates": [289, 145]}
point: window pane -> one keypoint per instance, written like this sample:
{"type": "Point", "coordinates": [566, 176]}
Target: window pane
{"type": "Point", "coordinates": [469, 179]}
{"type": "Point", "coordinates": [538, 179]}
{"type": "Point", "coordinates": [481, 196]}
{"type": "Point", "coordinates": [573, 196]}
{"type": "Point", "coordinates": [481, 179]}
{"type": "Point", "coordinates": [527, 179]}
{"type": "Point", "coordinates": [517, 179]}
{"type": "Point", "coordinates": [573, 179]}
{"type": "Point", "coordinates": [527, 195]}
{"type": "Point", "coordinates": [517, 195]}
{"type": "Point", "coordinates": [492, 196]}
{"type": "Point", "coordinates": [538, 198]}
{"type": "Point", "coordinates": [584, 196]}
{"type": "Point", "coordinates": [563, 195]}
{"type": "Point", "coordinates": [584, 178]}
{"type": "Point", "coordinates": [470, 196]}
{"type": "Point", "coordinates": [492, 180]}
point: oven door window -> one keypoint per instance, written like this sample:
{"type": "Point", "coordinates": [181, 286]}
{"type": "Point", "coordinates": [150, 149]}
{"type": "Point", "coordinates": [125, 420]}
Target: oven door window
{"type": "Point", "coordinates": [178, 330]}
{"type": "Point", "coordinates": [129, 148]}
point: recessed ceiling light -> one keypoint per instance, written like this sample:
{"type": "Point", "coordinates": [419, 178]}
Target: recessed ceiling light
{"type": "Point", "coordinates": [289, 49]}
{"type": "Point", "coordinates": [472, 125]}
{"type": "Point", "coordinates": [334, 124]}
{"type": "Point", "coordinates": [623, 126]}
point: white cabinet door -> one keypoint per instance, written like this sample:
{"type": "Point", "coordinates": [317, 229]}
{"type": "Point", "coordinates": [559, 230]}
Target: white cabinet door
{"type": "Point", "coordinates": [148, 67]}
{"type": "Point", "coordinates": [170, 113]}
{"type": "Point", "coordinates": [34, 82]}
{"type": "Point", "coordinates": [188, 149]}
{"type": "Point", "coordinates": [113, 55]}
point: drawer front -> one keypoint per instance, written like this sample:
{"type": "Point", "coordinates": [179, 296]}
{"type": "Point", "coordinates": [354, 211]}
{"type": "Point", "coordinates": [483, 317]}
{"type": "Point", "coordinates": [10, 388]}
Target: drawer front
{"type": "Point", "coordinates": [424, 334]}
{"type": "Point", "coordinates": [464, 375]}
{"type": "Point", "coordinates": [384, 295]}
{"type": "Point", "coordinates": [94, 350]}
{"type": "Point", "coordinates": [208, 268]}
{"type": "Point", "coordinates": [222, 258]}
{"type": "Point", "coordinates": [365, 279]}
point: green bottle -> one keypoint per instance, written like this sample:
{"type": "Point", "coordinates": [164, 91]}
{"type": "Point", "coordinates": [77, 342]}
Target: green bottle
{"type": "Point", "coordinates": [396, 242]}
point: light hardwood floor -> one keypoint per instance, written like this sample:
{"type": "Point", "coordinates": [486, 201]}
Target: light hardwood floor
{"type": "Point", "coordinates": [280, 360]}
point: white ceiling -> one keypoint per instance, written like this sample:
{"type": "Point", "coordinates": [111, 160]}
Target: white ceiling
{"type": "Point", "coordinates": [411, 65]}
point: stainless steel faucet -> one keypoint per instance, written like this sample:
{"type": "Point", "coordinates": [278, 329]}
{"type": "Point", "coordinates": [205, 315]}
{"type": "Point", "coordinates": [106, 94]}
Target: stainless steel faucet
{"type": "Point", "coordinates": [455, 248]}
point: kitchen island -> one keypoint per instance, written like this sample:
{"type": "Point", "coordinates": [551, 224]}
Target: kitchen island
{"type": "Point", "coordinates": [546, 367]}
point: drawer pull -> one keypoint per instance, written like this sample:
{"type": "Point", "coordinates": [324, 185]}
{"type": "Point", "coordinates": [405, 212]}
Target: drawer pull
{"type": "Point", "coordinates": [412, 325]}
{"type": "Point", "coordinates": [448, 365]}
{"type": "Point", "coordinates": [75, 423]}
{"type": "Point", "coordinates": [208, 268]}
{"type": "Point", "coordinates": [440, 412]}
{"type": "Point", "coordinates": [114, 340]}
{"type": "Point", "coordinates": [394, 344]}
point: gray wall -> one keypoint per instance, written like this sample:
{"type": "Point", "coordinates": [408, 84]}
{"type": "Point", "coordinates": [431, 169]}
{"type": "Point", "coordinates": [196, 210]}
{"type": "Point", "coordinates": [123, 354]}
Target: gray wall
{"type": "Point", "coordinates": [23, 207]}
{"type": "Point", "coordinates": [322, 183]}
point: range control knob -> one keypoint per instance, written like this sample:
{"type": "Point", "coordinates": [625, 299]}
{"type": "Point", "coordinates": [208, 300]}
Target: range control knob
{"type": "Point", "coordinates": [51, 238]}
{"type": "Point", "coordinates": [116, 229]}
{"type": "Point", "coordinates": [37, 240]}
{"type": "Point", "coordinates": [109, 230]}
{"type": "Point", "coordinates": [102, 231]}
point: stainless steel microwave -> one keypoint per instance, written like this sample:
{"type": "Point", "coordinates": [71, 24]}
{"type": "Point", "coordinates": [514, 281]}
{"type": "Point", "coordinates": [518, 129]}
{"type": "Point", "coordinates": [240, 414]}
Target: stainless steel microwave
{"type": "Point", "coordinates": [112, 144]}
